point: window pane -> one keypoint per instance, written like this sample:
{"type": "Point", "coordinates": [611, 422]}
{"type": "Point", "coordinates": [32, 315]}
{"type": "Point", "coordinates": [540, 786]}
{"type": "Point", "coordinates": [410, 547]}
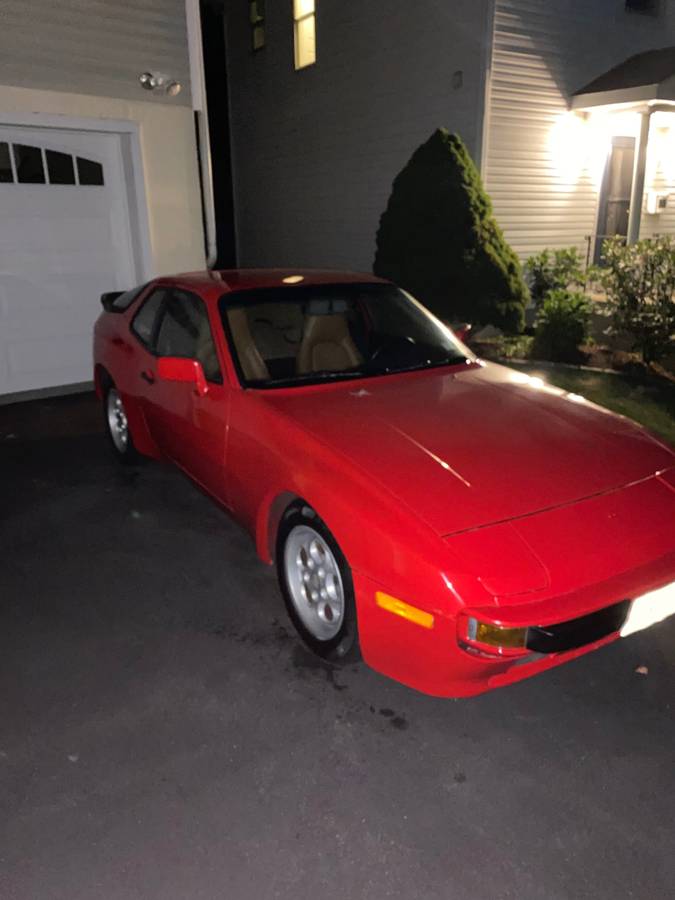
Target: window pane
{"type": "Point", "coordinates": [305, 43]}
{"type": "Point", "coordinates": [29, 168]}
{"type": "Point", "coordinates": [258, 37]}
{"type": "Point", "coordinates": [60, 167]}
{"type": "Point", "coordinates": [146, 318]}
{"type": "Point", "coordinates": [185, 332]}
{"type": "Point", "coordinates": [179, 329]}
{"type": "Point", "coordinates": [89, 172]}
{"type": "Point", "coordinates": [5, 164]}
{"type": "Point", "coordinates": [315, 332]}
{"type": "Point", "coordinates": [303, 8]}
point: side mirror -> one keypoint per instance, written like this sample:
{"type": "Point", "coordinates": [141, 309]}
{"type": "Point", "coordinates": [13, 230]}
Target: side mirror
{"type": "Point", "coordinates": [189, 371]}
{"type": "Point", "coordinates": [109, 298]}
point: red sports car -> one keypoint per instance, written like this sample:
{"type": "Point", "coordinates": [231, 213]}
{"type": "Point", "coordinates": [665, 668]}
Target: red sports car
{"type": "Point", "coordinates": [459, 524]}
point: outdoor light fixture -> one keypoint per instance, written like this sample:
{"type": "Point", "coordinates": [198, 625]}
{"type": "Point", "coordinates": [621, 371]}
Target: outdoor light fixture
{"type": "Point", "coordinates": [163, 84]}
{"type": "Point", "coordinates": [293, 279]}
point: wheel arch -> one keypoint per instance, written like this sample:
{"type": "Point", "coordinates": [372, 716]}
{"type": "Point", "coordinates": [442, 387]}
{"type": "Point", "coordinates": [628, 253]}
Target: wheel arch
{"type": "Point", "coordinates": [270, 514]}
{"type": "Point", "coordinates": [102, 379]}
{"type": "Point", "coordinates": [142, 439]}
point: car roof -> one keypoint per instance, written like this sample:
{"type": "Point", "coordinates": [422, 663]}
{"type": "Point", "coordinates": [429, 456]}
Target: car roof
{"type": "Point", "coordinates": [228, 280]}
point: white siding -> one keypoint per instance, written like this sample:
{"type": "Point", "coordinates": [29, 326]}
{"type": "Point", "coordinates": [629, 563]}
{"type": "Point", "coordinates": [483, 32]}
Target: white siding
{"type": "Point", "coordinates": [540, 166]}
{"type": "Point", "coordinates": [661, 175]}
{"type": "Point", "coordinates": [94, 46]}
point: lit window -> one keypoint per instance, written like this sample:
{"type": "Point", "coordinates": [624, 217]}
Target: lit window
{"type": "Point", "coordinates": [304, 24]}
{"type": "Point", "coordinates": [257, 20]}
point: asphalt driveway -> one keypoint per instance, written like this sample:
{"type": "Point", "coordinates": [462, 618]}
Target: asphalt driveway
{"type": "Point", "coordinates": [164, 735]}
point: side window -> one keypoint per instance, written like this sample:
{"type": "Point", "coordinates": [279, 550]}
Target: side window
{"type": "Point", "coordinates": [144, 323]}
{"type": "Point", "coordinates": [185, 331]}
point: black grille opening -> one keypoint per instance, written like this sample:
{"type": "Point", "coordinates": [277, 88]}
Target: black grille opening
{"type": "Point", "coordinates": [577, 632]}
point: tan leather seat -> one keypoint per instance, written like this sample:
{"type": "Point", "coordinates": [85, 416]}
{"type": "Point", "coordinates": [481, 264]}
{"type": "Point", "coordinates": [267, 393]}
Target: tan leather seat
{"type": "Point", "coordinates": [326, 346]}
{"type": "Point", "coordinates": [252, 364]}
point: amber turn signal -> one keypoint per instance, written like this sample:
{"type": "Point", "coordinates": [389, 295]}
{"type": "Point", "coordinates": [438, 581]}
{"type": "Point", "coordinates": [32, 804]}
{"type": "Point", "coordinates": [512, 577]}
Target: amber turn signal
{"type": "Point", "coordinates": [496, 635]}
{"type": "Point", "coordinates": [404, 610]}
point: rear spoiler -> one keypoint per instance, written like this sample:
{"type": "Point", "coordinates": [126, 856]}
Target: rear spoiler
{"type": "Point", "coordinates": [109, 298]}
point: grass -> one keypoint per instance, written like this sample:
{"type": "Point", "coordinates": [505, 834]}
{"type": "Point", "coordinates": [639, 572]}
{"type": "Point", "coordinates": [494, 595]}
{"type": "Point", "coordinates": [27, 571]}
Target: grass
{"type": "Point", "coordinates": [649, 401]}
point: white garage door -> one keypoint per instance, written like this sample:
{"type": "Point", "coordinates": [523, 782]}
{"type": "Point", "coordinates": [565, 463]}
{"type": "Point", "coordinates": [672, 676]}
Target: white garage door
{"type": "Point", "coordinates": [64, 239]}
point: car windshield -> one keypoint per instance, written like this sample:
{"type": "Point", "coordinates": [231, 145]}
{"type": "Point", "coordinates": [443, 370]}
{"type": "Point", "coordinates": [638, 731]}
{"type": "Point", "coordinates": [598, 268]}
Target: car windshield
{"type": "Point", "coordinates": [312, 333]}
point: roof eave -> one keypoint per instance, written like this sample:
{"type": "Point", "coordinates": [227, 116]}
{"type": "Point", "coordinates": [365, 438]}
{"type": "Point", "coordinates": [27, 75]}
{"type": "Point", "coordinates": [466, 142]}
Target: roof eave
{"type": "Point", "coordinates": [663, 91]}
{"type": "Point", "coordinates": [643, 94]}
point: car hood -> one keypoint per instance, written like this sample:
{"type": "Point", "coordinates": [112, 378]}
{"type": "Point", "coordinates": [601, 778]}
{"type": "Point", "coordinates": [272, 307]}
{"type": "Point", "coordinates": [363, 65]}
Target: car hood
{"type": "Point", "coordinates": [464, 449]}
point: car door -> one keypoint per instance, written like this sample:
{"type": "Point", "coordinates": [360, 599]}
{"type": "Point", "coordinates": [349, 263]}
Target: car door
{"type": "Point", "coordinates": [140, 362]}
{"type": "Point", "coordinates": [190, 426]}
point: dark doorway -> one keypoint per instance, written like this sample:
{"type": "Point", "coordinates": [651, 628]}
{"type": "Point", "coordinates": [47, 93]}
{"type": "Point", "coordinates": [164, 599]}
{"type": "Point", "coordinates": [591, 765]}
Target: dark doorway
{"type": "Point", "coordinates": [615, 192]}
{"type": "Point", "coordinates": [215, 76]}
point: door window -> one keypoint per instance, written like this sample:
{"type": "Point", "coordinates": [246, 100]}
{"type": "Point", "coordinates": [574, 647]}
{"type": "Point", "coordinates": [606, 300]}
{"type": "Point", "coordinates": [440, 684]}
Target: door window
{"type": "Point", "coordinates": [614, 204]}
{"type": "Point", "coordinates": [185, 331]}
{"type": "Point", "coordinates": [144, 324]}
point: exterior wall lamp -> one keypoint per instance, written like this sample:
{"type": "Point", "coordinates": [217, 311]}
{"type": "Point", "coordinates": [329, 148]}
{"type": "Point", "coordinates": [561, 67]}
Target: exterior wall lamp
{"type": "Point", "coordinates": [163, 84]}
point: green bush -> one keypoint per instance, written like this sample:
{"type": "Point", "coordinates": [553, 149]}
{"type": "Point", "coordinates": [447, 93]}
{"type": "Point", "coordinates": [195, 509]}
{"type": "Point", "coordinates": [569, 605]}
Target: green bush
{"type": "Point", "coordinates": [439, 239]}
{"type": "Point", "coordinates": [640, 283]}
{"type": "Point", "coordinates": [562, 324]}
{"type": "Point", "coordinates": [553, 270]}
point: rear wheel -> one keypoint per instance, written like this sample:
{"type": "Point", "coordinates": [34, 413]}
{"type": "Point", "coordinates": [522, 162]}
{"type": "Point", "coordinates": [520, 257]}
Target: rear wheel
{"type": "Point", "coordinates": [117, 426]}
{"type": "Point", "coordinates": [316, 583]}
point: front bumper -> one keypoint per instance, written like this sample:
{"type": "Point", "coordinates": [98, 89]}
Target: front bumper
{"type": "Point", "coordinates": [434, 662]}
{"type": "Point", "coordinates": [594, 554]}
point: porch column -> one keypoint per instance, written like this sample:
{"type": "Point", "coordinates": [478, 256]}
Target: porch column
{"type": "Point", "coordinates": [638, 188]}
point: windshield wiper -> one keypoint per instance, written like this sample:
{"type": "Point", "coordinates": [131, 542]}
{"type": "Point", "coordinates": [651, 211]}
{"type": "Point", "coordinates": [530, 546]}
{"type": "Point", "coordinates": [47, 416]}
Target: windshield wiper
{"type": "Point", "coordinates": [418, 367]}
{"type": "Point", "coordinates": [309, 377]}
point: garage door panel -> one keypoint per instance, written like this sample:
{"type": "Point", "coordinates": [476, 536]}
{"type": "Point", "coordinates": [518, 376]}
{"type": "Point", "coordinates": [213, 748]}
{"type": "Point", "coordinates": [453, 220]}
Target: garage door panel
{"type": "Point", "coordinates": [81, 235]}
{"type": "Point", "coordinates": [33, 361]}
{"type": "Point", "coordinates": [24, 303]}
{"type": "Point", "coordinates": [61, 246]}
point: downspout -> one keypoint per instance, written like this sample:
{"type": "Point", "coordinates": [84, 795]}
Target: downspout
{"type": "Point", "coordinates": [638, 187]}
{"type": "Point", "coordinates": [198, 90]}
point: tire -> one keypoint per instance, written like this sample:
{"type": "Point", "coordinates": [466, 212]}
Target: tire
{"type": "Point", "coordinates": [316, 583]}
{"type": "Point", "coordinates": [117, 426]}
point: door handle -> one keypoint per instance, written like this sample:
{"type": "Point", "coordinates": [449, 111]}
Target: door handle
{"type": "Point", "coordinates": [148, 376]}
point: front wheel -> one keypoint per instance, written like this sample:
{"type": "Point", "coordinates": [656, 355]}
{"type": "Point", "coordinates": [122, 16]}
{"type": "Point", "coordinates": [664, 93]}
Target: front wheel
{"type": "Point", "coordinates": [117, 426]}
{"type": "Point", "coordinates": [316, 583]}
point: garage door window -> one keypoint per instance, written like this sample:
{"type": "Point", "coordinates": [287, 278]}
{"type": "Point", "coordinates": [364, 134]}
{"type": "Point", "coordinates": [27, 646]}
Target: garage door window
{"type": "Point", "coordinates": [90, 172]}
{"type": "Point", "coordinates": [60, 167]}
{"type": "Point", "coordinates": [38, 165]}
{"type": "Point", "coordinates": [29, 167]}
{"type": "Point", "coordinates": [5, 164]}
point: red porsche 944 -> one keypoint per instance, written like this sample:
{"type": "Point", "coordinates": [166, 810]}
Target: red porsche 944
{"type": "Point", "coordinates": [458, 524]}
